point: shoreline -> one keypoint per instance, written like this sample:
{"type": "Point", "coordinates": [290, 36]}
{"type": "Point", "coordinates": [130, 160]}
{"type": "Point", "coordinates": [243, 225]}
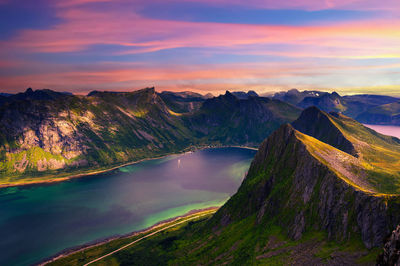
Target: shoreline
{"type": "Point", "coordinates": [72, 250]}
{"type": "Point", "coordinates": [95, 172]}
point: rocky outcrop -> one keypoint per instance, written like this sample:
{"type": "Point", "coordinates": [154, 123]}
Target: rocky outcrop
{"type": "Point", "coordinates": [391, 250]}
{"type": "Point", "coordinates": [290, 186]}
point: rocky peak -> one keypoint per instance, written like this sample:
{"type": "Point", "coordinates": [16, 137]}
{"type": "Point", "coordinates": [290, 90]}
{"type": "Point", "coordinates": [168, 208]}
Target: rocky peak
{"type": "Point", "coordinates": [318, 124]}
{"type": "Point", "coordinates": [30, 94]}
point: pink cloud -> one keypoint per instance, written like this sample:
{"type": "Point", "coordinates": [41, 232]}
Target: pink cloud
{"type": "Point", "coordinates": [311, 5]}
{"type": "Point", "coordinates": [83, 28]}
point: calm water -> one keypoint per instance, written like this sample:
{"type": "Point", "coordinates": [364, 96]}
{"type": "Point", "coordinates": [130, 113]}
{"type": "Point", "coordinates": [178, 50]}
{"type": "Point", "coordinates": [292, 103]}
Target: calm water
{"type": "Point", "coordinates": [39, 221]}
{"type": "Point", "coordinates": [386, 130]}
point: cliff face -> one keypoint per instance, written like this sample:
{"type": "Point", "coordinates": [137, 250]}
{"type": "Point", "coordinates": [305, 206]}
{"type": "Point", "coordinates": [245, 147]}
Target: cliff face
{"type": "Point", "coordinates": [391, 250]}
{"type": "Point", "coordinates": [287, 184]}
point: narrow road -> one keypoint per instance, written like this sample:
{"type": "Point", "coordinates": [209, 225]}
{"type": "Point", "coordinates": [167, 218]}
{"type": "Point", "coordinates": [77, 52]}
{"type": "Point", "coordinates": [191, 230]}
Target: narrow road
{"type": "Point", "coordinates": [146, 236]}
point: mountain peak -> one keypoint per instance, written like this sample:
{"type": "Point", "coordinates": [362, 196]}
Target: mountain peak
{"type": "Point", "coordinates": [318, 124]}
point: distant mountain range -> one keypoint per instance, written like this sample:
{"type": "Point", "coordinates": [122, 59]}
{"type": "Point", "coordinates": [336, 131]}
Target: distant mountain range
{"type": "Point", "coordinates": [322, 190]}
{"type": "Point", "coordinates": [365, 108]}
{"type": "Point", "coordinates": [47, 134]}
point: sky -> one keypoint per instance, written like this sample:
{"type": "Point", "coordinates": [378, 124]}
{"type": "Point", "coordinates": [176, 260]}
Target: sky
{"type": "Point", "coordinates": [350, 46]}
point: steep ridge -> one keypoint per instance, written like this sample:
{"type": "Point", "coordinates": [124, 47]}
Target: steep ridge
{"type": "Point", "coordinates": [45, 133]}
{"type": "Point", "coordinates": [288, 184]}
{"type": "Point", "coordinates": [316, 123]}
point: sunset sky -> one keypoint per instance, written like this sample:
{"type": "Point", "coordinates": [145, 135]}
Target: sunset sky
{"type": "Point", "coordinates": [351, 46]}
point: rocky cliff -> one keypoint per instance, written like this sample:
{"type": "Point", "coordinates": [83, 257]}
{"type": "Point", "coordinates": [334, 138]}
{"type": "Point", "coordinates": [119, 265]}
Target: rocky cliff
{"type": "Point", "coordinates": [391, 250]}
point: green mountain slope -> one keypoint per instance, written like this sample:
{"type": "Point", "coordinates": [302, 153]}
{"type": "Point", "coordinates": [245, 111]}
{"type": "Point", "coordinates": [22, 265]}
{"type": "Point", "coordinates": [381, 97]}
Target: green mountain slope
{"type": "Point", "coordinates": [302, 202]}
{"type": "Point", "coordinates": [182, 102]}
{"type": "Point", "coordinates": [46, 134]}
{"type": "Point", "coordinates": [227, 119]}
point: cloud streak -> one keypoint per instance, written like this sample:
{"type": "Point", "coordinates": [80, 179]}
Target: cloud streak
{"type": "Point", "coordinates": [86, 25]}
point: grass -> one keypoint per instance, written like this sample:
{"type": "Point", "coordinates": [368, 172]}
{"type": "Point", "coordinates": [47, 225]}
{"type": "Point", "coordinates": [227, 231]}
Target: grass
{"type": "Point", "coordinates": [240, 243]}
{"type": "Point", "coordinates": [161, 231]}
{"type": "Point", "coordinates": [376, 170]}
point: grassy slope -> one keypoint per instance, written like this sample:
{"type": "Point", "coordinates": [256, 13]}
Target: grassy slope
{"type": "Point", "coordinates": [379, 155]}
{"type": "Point", "coordinates": [240, 243]}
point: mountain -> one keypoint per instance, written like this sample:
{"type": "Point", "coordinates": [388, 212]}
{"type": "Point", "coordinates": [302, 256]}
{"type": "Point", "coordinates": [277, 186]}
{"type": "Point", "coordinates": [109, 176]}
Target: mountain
{"type": "Point", "coordinates": [319, 125]}
{"type": "Point", "coordinates": [327, 102]}
{"type": "Point", "coordinates": [294, 96]}
{"type": "Point", "coordinates": [364, 107]}
{"type": "Point", "coordinates": [307, 184]}
{"type": "Point", "coordinates": [46, 134]}
{"type": "Point", "coordinates": [229, 119]}
{"type": "Point", "coordinates": [244, 95]}
{"type": "Point", "coordinates": [182, 102]}
{"type": "Point", "coordinates": [386, 114]}
{"type": "Point", "coordinates": [303, 202]}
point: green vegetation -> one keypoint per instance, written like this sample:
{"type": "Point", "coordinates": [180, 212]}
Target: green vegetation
{"type": "Point", "coordinates": [240, 243]}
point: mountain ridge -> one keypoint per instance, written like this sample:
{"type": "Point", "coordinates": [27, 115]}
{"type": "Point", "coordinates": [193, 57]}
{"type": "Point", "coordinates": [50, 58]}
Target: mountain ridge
{"type": "Point", "coordinates": [56, 134]}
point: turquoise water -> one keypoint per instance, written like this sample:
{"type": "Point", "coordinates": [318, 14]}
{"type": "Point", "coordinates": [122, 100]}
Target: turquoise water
{"type": "Point", "coordinates": [41, 220]}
